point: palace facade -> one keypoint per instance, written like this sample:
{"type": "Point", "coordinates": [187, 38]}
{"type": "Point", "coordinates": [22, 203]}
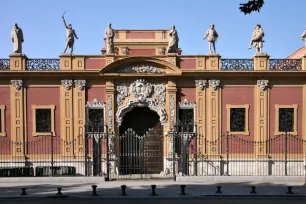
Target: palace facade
{"type": "Point", "coordinates": [121, 114]}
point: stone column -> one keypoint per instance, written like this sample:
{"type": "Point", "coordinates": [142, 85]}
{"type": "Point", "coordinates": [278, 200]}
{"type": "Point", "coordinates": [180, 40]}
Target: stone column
{"type": "Point", "coordinates": [261, 62]}
{"type": "Point", "coordinates": [66, 111]}
{"type": "Point", "coordinates": [262, 126]}
{"type": "Point", "coordinates": [213, 62]}
{"type": "Point", "coordinates": [17, 118]}
{"type": "Point", "coordinates": [79, 93]}
{"type": "Point", "coordinates": [213, 116]}
{"type": "Point", "coordinates": [18, 61]}
{"type": "Point", "coordinates": [171, 106]}
{"type": "Point", "coordinates": [201, 113]}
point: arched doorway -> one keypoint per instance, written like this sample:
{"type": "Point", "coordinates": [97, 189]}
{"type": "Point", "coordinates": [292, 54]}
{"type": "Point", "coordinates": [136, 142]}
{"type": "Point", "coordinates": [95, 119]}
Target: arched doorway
{"type": "Point", "coordinates": [141, 142]}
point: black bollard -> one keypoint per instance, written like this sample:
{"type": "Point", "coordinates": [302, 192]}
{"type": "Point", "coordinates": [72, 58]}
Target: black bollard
{"type": "Point", "coordinates": [23, 191]}
{"type": "Point", "coordinates": [94, 190]}
{"type": "Point", "coordinates": [59, 191]}
{"type": "Point", "coordinates": [218, 189]}
{"type": "Point", "coordinates": [153, 190]}
{"type": "Point", "coordinates": [290, 190]}
{"type": "Point", "coordinates": [253, 190]}
{"type": "Point", "coordinates": [123, 188]}
{"type": "Point", "coordinates": [183, 189]}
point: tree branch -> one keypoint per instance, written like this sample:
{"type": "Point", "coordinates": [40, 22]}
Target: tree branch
{"type": "Point", "coordinates": [251, 6]}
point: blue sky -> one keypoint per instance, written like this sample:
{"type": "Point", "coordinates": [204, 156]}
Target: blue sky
{"type": "Point", "coordinates": [44, 33]}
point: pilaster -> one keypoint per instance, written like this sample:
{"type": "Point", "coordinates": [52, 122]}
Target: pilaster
{"type": "Point", "coordinates": [17, 118]}
{"type": "Point", "coordinates": [201, 113]}
{"type": "Point", "coordinates": [213, 116]}
{"type": "Point", "coordinates": [171, 107]}
{"type": "Point", "coordinates": [261, 116]}
{"type": "Point", "coordinates": [213, 62]}
{"type": "Point", "coordinates": [66, 114]}
{"type": "Point", "coordinates": [172, 58]}
{"type": "Point", "coordinates": [261, 62]}
{"type": "Point", "coordinates": [18, 61]}
{"type": "Point", "coordinates": [79, 106]}
{"type": "Point", "coordinates": [110, 105]}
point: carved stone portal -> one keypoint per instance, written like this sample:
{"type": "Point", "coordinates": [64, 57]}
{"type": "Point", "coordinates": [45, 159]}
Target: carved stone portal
{"type": "Point", "coordinates": [143, 94]}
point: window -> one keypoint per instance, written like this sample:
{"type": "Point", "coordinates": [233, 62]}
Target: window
{"type": "Point", "coordinates": [186, 116]}
{"type": "Point", "coordinates": [95, 116]}
{"type": "Point", "coordinates": [238, 119]}
{"type": "Point", "coordinates": [43, 120]}
{"type": "Point", "coordinates": [286, 119]}
{"type": "Point", "coordinates": [2, 121]}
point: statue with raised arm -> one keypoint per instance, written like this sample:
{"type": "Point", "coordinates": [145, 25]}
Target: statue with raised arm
{"type": "Point", "coordinates": [110, 35]}
{"type": "Point", "coordinates": [257, 39]}
{"type": "Point", "coordinates": [17, 38]}
{"type": "Point", "coordinates": [173, 40]}
{"type": "Point", "coordinates": [212, 38]}
{"type": "Point", "coordinates": [304, 36]}
{"type": "Point", "coordinates": [70, 34]}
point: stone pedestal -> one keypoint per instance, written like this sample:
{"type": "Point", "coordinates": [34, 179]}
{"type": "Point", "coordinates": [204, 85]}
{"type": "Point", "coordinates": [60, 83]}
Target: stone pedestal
{"type": "Point", "coordinates": [304, 62]}
{"type": "Point", "coordinates": [72, 62]}
{"type": "Point", "coordinates": [18, 61]}
{"type": "Point", "coordinates": [261, 62]}
{"type": "Point", "coordinates": [213, 62]}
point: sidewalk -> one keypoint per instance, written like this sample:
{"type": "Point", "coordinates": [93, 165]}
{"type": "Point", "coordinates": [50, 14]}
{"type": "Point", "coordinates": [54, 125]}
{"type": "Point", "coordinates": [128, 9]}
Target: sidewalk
{"type": "Point", "coordinates": [195, 186]}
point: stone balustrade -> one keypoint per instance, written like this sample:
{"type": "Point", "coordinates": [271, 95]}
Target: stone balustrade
{"type": "Point", "coordinates": [215, 62]}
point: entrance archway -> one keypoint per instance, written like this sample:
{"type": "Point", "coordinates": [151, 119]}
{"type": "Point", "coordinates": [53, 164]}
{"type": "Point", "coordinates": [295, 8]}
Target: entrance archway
{"type": "Point", "coordinates": [141, 142]}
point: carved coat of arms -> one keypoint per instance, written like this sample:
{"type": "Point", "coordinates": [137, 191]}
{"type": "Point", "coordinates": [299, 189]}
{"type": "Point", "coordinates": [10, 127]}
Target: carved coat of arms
{"type": "Point", "coordinates": [141, 89]}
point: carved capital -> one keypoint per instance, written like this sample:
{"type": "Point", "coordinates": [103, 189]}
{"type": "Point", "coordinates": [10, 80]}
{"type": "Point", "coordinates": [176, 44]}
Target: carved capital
{"type": "Point", "coordinates": [200, 84]}
{"type": "Point", "coordinates": [17, 84]}
{"type": "Point", "coordinates": [67, 84]}
{"type": "Point", "coordinates": [214, 83]}
{"type": "Point", "coordinates": [80, 84]}
{"type": "Point", "coordinates": [263, 84]}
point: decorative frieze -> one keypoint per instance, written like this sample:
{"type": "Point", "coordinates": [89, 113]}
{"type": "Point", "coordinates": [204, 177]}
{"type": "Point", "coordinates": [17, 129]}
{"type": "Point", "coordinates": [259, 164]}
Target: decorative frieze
{"type": "Point", "coordinates": [95, 104]}
{"type": "Point", "coordinates": [110, 111]}
{"type": "Point", "coordinates": [17, 84]}
{"type": "Point", "coordinates": [201, 84]}
{"type": "Point", "coordinates": [214, 83]}
{"type": "Point", "coordinates": [149, 69]}
{"type": "Point", "coordinates": [80, 84]}
{"type": "Point", "coordinates": [172, 110]}
{"type": "Point", "coordinates": [263, 84]}
{"type": "Point", "coordinates": [67, 84]}
{"type": "Point", "coordinates": [186, 104]}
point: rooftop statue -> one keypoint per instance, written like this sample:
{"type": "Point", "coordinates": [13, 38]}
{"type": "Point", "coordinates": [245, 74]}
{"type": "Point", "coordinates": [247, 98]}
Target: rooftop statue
{"type": "Point", "coordinates": [304, 36]}
{"type": "Point", "coordinates": [212, 38]}
{"type": "Point", "coordinates": [70, 35]}
{"type": "Point", "coordinates": [110, 35]}
{"type": "Point", "coordinates": [17, 38]}
{"type": "Point", "coordinates": [173, 40]}
{"type": "Point", "coordinates": [257, 39]}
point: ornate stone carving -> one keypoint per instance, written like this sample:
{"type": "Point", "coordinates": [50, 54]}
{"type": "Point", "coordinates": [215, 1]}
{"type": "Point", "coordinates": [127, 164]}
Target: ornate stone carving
{"type": "Point", "coordinates": [172, 110]}
{"type": "Point", "coordinates": [110, 111]}
{"type": "Point", "coordinates": [95, 104]}
{"type": "Point", "coordinates": [161, 51]}
{"type": "Point", "coordinates": [122, 92]}
{"type": "Point", "coordinates": [214, 83]}
{"type": "Point", "coordinates": [263, 84]}
{"type": "Point", "coordinates": [67, 84]}
{"type": "Point", "coordinates": [17, 84]}
{"type": "Point", "coordinates": [201, 84]}
{"type": "Point", "coordinates": [141, 89]}
{"type": "Point", "coordinates": [133, 102]}
{"type": "Point", "coordinates": [186, 104]}
{"type": "Point", "coordinates": [124, 50]}
{"type": "Point", "coordinates": [142, 69]}
{"type": "Point", "coordinates": [80, 84]}
{"type": "Point", "coordinates": [160, 93]}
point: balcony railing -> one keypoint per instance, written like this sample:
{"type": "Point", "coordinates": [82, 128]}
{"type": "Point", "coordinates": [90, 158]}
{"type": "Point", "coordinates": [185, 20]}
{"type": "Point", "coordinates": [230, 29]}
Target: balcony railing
{"type": "Point", "coordinates": [285, 64]}
{"type": "Point", "coordinates": [43, 64]}
{"type": "Point", "coordinates": [4, 64]}
{"type": "Point", "coordinates": [237, 64]}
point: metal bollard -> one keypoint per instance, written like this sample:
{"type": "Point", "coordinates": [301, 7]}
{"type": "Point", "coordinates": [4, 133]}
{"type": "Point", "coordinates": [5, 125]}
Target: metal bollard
{"type": "Point", "coordinates": [153, 190]}
{"type": "Point", "coordinates": [23, 191]}
{"type": "Point", "coordinates": [94, 190]}
{"type": "Point", "coordinates": [59, 191]}
{"type": "Point", "coordinates": [218, 189]}
{"type": "Point", "coordinates": [183, 190]}
{"type": "Point", "coordinates": [123, 188]}
{"type": "Point", "coordinates": [290, 190]}
{"type": "Point", "coordinates": [253, 190]}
